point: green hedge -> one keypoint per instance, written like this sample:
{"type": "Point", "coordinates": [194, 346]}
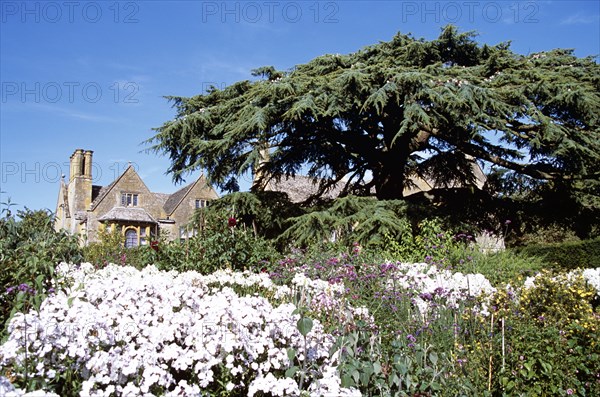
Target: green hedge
{"type": "Point", "coordinates": [567, 256]}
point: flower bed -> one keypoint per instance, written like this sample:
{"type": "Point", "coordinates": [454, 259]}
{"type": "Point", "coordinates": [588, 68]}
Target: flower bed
{"type": "Point", "coordinates": [121, 331]}
{"type": "Point", "coordinates": [149, 332]}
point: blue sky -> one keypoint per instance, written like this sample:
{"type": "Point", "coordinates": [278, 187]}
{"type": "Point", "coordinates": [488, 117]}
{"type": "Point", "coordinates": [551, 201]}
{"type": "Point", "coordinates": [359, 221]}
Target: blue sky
{"type": "Point", "coordinates": [92, 74]}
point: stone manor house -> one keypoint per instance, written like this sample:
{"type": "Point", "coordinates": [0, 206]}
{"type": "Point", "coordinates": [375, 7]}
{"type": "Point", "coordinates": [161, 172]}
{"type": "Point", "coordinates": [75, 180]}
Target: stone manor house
{"type": "Point", "coordinates": [141, 215]}
{"type": "Point", "coordinates": [126, 204]}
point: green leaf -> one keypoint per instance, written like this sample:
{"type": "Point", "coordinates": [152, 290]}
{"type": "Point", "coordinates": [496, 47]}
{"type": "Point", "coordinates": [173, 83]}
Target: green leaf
{"type": "Point", "coordinates": [347, 381]}
{"type": "Point", "coordinates": [356, 375]}
{"type": "Point", "coordinates": [433, 357]}
{"type": "Point", "coordinates": [291, 371]}
{"type": "Point", "coordinates": [510, 386]}
{"type": "Point", "coordinates": [304, 325]}
{"type": "Point", "coordinates": [377, 367]}
{"type": "Point", "coordinates": [291, 353]}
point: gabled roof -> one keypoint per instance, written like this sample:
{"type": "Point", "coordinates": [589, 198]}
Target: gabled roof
{"type": "Point", "coordinates": [161, 198]}
{"type": "Point", "coordinates": [102, 192]}
{"type": "Point", "coordinates": [63, 198]}
{"type": "Point", "coordinates": [176, 198]}
{"type": "Point", "coordinates": [299, 188]}
{"type": "Point", "coordinates": [169, 202]}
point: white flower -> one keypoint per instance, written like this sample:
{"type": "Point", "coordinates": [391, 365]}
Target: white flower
{"type": "Point", "coordinates": [130, 330]}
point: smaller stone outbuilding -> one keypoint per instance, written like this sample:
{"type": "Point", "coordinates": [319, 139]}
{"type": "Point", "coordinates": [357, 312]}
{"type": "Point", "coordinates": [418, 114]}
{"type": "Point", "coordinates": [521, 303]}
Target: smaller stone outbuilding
{"type": "Point", "coordinates": [126, 205]}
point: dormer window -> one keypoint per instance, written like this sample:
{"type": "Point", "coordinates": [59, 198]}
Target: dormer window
{"type": "Point", "coordinates": [129, 199]}
{"type": "Point", "coordinates": [201, 203]}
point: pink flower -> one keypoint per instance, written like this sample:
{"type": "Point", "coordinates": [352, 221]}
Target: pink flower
{"type": "Point", "coordinates": [570, 391]}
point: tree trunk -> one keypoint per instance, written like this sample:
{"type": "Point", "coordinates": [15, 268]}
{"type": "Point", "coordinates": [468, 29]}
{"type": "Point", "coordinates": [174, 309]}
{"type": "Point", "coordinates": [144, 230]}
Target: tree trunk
{"type": "Point", "coordinates": [389, 174]}
{"type": "Point", "coordinates": [389, 185]}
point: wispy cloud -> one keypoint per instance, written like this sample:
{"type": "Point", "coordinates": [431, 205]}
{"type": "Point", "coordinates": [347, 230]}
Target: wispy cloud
{"type": "Point", "coordinates": [75, 114]}
{"type": "Point", "coordinates": [580, 19]}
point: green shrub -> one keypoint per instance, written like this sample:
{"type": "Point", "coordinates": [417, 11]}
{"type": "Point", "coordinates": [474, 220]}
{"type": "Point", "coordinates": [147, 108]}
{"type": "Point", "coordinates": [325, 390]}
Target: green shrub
{"type": "Point", "coordinates": [566, 256]}
{"type": "Point", "coordinates": [547, 234]}
{"type": "Point", "coordinates": [431, 242]}
{"type": "Point", "coordinates": [500, 267]}
{"type": "Point", "coordinates": [207, 252]}
{"type": "Point", "coordinates": [109, 249]}
{"type": "Point", "coordinates": [30, 249]}
{"type": "Point", "coordinates": [223, 240]}
{"type": "Point", "coordinates": [548, 341]}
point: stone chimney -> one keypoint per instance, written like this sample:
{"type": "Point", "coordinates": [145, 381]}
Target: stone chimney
{"type": "Point", "coordinates": [80, 181]}
{"type": "Point", "coordinates": [87, 164]}
{"type": "Point", "coordinates": [76, 164]}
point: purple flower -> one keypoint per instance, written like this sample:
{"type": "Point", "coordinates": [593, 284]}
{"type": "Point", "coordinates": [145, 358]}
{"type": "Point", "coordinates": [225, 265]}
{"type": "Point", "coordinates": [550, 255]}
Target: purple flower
{"type": "Point", "coordinates": [570, 391]}
{"type": "Point", "coordinates": [440, 291]}
{"type": "Point", "coordinates": [426, 296]}
{"type": "Point", "coordinates": [411, 338]}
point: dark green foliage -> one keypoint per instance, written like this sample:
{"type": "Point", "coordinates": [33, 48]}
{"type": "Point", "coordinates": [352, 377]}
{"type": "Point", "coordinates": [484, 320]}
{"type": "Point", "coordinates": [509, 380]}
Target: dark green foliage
{"type": "Point", "coordinates": [264, 213]}
{"type": "Point", "coordinates": [235, 249]}
{"type": "Point", "coordinates": [550, 211]}
{"type": "Point", "coordinates": [364, 220]}
{"type": "Point", "coordinates": [395, 109]}
{"type": "Point", "coordinates": [238, 245]}
{"type": "Point", "coordinates": [30, 249]}
{"type": "Point", "coordinates": [567, 256]}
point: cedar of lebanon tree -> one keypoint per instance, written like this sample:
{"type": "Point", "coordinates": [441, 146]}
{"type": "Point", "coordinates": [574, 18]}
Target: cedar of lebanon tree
{"type": "Point", "coordinates": [394, 109]}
